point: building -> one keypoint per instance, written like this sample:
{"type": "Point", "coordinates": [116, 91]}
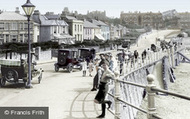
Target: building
{"type": "Point", "coordinates": [114, 32]}
{"type": "Point", "coordinates": [14, 28]}
{"type": "Point", "coordinates": [52, 16]}
{"type": "Point", "coordinates": [150, 19]}
{"type": "Point", "coordinates": [91, 31]}
{"type": "Point", "coordinates": [184, 20]}
{"type": "Point", "coordinates": [75, 26]}
{"type": "Point", "coordinates": [171, 19]}
{"type": "Point", "coordinates": [53, 30]}
{"type": "Point", "coordinates": [97, 15]}
{"type": "Point", "coordinates": [105, 31]}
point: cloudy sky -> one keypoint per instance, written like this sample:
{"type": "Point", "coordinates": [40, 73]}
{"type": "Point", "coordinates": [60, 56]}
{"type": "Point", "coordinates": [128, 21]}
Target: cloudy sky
{"type": "Point", "coordinates": [113, 8]}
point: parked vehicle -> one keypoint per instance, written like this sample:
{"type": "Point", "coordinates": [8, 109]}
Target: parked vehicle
{"type": "Point", "coordinates": [87, 54]}
{"type": "Point", "coordinates": [14, 70]}
{"type": "Point", "coordinates": [67, 59]}
{"type": "Point", "coordinates": [126, 44]}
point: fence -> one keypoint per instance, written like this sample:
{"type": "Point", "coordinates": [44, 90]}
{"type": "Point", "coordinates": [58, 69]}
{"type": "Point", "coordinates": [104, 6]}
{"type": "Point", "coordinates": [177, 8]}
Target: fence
{"type": "Point", "coordinates": [131, 85]}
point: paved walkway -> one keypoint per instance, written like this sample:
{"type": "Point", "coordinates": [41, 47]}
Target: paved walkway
{"type": "Point", "coordinates": [83, 107]}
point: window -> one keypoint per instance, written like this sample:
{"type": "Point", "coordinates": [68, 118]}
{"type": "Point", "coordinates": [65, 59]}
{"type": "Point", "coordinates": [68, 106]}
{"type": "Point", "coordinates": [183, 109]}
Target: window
{"type": "Point", "coordinates": [54, 29]}
{"type": "Point", "coordinates": [14, 26]}
{"type": "Point", "coordinates": [7, 38]}
{"type": "Point", "coordinates": [86, 31]}
{"type": "Point", "coordinates": [64, 29]}
{"type": "Point", "coordinates": [75, 27]}
{"type": "Point", "coordinates": [21, 26]}
{"type": "Point", "coordinates": [76, 37]}
{"type": "Point", "coordinates": [25, 26]}
{"type": "Point", "coordinates": [25, 37]}
{"type": "Point", "coordinates": [1, 36]}
{"type": "Point", "coordinates": [21, 38]}
{"type": "Point", "coordinates": [6, 26]}
{"type": "Point", "coordinates": [1, 26]}
{"type": "Point", "coordinates": [81, 28]}
{"type": "Point", "coordinates": [13, 38]}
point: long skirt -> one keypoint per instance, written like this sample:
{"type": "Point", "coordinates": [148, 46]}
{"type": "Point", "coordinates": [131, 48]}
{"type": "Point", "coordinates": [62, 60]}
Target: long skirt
{"type": "Point", "coordinates": [102, 92]}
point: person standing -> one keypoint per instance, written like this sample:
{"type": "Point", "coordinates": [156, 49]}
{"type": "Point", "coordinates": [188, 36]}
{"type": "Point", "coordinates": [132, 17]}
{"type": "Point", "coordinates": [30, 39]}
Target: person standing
{"type": "Point", "coordinates": [91, 66]}
{"type": "Point", "coordinates": [136, 54]}
{"type": "Point", "coordinates": [98, 74]}
{"type": "Point", "coordinates": [84, 67]}
{"type": "Point", "coordinates": [111, 63]}
{"type": "Point", "coordinates": [103, 89]}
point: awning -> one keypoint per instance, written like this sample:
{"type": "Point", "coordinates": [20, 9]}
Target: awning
{"type": "Point", "coordinates": [63, 38]}
{"type": "Point", "coordinates": [58, 36]}
{"type": "Point", "coordinates": [99, 36]}
{"type": "Point", "coordinates": [69, 36]}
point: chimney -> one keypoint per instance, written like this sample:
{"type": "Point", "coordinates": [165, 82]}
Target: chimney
{"type": "Point", "coordinates": [36, 16]}
{"type": "Point", "coordinates": [17, 10]}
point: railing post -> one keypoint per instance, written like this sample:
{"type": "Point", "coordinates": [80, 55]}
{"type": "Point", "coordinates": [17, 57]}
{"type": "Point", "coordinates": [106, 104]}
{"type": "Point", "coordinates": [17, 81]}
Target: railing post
{"type": "Point", "coordinates": [150, 58]}
{"type": "Point", "coordinates": [172, 56]}
{"type": "Point", "coordinates": [151, 95]}
{"type": "Point", "coordinates": [130, 64]}
{"type": "Point", "coordinates": [127, 66]}
{"type": "Point", "coordinates": [133, 64]}
{"type": "Point", "coordinates": [117, 95]}
{"type": "Point", "coordinates": [169, 56]}
{"type": "Point", "coordinates": [124, 67]}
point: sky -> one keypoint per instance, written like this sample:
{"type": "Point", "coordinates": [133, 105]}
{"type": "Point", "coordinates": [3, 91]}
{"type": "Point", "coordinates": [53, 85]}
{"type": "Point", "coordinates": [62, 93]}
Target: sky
{"type": "Point", "coordinates": [113, 8]}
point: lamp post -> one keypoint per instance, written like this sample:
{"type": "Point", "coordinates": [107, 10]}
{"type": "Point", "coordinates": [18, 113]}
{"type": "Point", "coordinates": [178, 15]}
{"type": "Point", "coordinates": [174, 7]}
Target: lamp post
{"type": "Point", "coordinates": [28, 8]}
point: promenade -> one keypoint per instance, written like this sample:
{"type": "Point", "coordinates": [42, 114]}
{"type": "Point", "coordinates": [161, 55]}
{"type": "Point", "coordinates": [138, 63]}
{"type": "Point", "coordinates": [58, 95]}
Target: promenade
{"type": "Point", "coordinates": [67, 95]}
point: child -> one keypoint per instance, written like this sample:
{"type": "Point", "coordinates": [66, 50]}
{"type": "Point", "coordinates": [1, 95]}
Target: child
{"type": "Point", "coordinates": [84, 67]}
{"type": "Point", "coordinates": [91, 66]}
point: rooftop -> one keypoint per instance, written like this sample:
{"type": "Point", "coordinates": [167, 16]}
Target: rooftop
{"type": "Point", "coordinates": [88, 24]}
{"type": "Point", "coordinates": [12, 16]}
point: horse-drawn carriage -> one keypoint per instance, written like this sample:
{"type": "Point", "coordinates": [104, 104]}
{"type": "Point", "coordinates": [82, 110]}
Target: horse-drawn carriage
{"type": "Point", "coordinates": [15, 70]}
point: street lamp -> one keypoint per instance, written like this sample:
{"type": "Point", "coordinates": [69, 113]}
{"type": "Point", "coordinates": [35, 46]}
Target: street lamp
{"type": "Point", "coordinates": [28, 8]}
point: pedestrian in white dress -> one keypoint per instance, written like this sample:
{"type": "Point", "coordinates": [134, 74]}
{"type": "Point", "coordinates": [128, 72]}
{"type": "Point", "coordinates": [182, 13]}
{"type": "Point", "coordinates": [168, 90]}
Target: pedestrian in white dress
{"type": "Point", "coordinates": [91, 66]}
{"type": "Point", "coordinates": [84, 67]}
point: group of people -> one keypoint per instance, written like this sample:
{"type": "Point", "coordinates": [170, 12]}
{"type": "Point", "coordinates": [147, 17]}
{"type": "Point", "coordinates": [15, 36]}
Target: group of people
{"type": "Point", "coordinates": [104, 73]}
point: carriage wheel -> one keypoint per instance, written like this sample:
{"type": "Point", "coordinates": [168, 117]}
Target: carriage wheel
{"type": "Point", "coordinates": [2, 82]}
{"type": "Point", "coordinates": [11, 74]}
{"type": "Point", "coordinates": [56, 68]}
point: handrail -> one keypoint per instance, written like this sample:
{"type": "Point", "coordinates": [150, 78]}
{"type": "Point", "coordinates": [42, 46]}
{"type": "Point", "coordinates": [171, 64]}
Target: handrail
{"type": "Point", "coordinates": [132, 83]}
{"type": "Point", "coordinates": [142, 110]}
{"type": "Point", "coordinates": [147, 65]}
{"type": "Point", "coordinates": [171, 93]}
{"type": "Point", "coordinates": [150, 87]}
{"type": "Point", "coordinates": [111, 95]}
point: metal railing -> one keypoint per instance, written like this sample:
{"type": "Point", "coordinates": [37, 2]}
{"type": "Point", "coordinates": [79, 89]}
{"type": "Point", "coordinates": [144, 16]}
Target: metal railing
{"type": "Point", "coordinates": [151, 91]}
{"type": "Point", "coordinates": [150, 87]}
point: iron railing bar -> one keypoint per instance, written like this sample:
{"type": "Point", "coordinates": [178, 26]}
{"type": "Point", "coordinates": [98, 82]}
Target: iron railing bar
{"type": "Point", "coordinates": [156, 116]}
{"type": "Point", "coordinates": [143, 67]}
{"type": "Point", "coordinates": [132, 83]}
{"type": "Point", "coordinates": [171, 93]}
{"type": "Point", "coordinates": [111, 95]}
{"type": "Point", "coordinates": [142, 110]}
